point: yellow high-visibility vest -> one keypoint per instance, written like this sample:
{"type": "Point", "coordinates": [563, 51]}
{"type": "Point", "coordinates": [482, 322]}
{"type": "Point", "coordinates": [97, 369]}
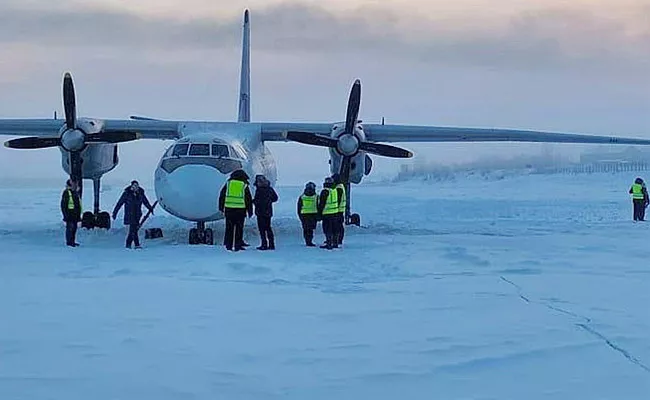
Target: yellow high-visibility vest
{"type": "Point", "coordinates": [235, 194]}
{"type": "Point", "coordinates": [343, 199]}
{"type": "Point", "coordinates": [332, 204]}
{"type": "Point", "coordinates": [71, 201]}
{"type": "Point", "coordinates": [308, 204]}
{"type": "Point", "coordinates": [637, 191]}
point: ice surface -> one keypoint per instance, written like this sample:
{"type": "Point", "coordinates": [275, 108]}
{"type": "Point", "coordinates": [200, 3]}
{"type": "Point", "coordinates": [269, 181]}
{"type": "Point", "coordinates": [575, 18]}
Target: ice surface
{"type": "Point", "coordinates": [531, 287]}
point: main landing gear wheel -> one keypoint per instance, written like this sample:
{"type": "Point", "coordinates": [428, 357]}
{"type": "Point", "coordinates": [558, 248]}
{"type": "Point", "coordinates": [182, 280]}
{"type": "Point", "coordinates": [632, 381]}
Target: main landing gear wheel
{"type": "Point", "coordinates": [103, 220]}
{"type": "Point", "coordinates": [91, 221]}
{"type": "Point", "coordinates": [201, 235]}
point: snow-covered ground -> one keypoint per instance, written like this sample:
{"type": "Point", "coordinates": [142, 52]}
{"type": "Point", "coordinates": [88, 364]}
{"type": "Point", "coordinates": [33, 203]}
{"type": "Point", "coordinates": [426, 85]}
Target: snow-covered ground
{"type": "Point", "coordinates": [523, 288]}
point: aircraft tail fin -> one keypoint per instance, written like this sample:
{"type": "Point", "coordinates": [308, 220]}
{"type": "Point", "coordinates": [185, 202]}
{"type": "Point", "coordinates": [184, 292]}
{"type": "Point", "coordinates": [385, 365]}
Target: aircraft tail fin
{"type": "Point", "coordinates": [245, 74]}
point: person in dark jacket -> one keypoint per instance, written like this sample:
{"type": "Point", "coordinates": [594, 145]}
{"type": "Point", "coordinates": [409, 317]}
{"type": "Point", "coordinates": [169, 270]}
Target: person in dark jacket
{"type": "Point", "coordinates": [132, 199]}
{"type": "Point", "coordinates": [263, 201]}
{"type": "Point", "coordinates": [71, 210]}
{"type": "Point", "coordinates": [308, 212]}
{"type": "Point", "coordinates": [640, 199]}
{"type": "Point", "coordinates": [329, 202]}
{"type": "Point", "coordinates": [235, 201]}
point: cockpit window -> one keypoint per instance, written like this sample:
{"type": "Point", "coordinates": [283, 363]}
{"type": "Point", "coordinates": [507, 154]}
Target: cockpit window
{"type": "Point", "coordinates": [180, 149]}
{"type": "Point", "coordinates": [200, 150]}
{"type": "Point", "coordinates": [220, 150]}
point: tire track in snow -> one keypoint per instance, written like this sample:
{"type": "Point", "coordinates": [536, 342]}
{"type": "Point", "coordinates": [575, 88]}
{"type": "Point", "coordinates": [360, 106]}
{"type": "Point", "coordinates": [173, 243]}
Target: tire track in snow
{"type": "Point", "coordinates": [583, 326]}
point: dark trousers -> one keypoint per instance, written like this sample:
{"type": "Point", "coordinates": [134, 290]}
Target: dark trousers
{"type": "Point", "coordinates": [338, 230]}
{"type": "Point", "coordinates": [234, 229]}
{"type": "Point", "coordinates": [639, 210]}
{"type": "Point", "coordinates": [71, 233]}
{"type": "Point", "coordinates": [309, 222]}
{"type": "Point", "coordinates": [330, 223]}
{"type": "Point", "coordinates": [132, 237]}
{"type": "Point", "coordinates": [341, 228]}
{"type": "Point", "coordinates": [266, 233]}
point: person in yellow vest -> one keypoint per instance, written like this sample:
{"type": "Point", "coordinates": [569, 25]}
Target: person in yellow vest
{"type": "Point", "coordinates": [340, 225]}
{"type": "Point", "coordinates": [639, 199]}
{"type": "Point", "coordinates": [308, 212]}
{"type": "Point", "coordinates": [329, 203]}
{"type": "Point", "coordinates": [71, 210]}
{"type": "Point", "coordinates": [235, 201]}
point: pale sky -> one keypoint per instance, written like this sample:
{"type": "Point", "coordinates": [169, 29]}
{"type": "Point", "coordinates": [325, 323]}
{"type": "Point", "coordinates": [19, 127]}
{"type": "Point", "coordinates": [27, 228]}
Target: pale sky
{"type": "Point", "coordinates": [578, 66]}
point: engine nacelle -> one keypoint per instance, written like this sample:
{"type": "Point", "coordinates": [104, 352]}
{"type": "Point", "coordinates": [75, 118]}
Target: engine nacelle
{"type": "Point", "coordinates": [357, 166]}
{"type": "Point", "coordinates": [97, 159]}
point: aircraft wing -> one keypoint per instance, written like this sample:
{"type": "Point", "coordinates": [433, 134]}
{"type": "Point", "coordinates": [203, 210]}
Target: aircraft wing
{"type": "Point", "coordinates": [406, 133]}
{"type": "Point", "coordinates": [152, 129]}
{"type": "Point", "coordinates": [275, 131]}
{"type": "Point", "coordinates": [410, 133]}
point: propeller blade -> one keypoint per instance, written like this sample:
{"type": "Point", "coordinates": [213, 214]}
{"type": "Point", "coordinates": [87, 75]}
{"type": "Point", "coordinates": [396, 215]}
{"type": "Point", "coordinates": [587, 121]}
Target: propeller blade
{"type": "Point", "coordinates": [344, 170]}
{"type": "Point", "coordinates": [113, 137]}
{"type": "Point", "coordinates": [354, 102]}
{"type": "Point", "coordinates": [76, 170]}
{"type": "Point", "coordinates": [385, 150]}
{"type": "Point", "coordinates": [311, 138]}
{"type": "Point", "coordinates": [33, 142]}
{"type": "Point", "coordinates": [141, 118]}
{"type": "Point", "coordinates": [69, 102]}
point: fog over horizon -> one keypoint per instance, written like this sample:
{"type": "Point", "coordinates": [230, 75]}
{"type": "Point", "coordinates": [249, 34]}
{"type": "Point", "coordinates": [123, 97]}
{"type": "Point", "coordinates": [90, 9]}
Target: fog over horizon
{"type": "Point", "coordinates": [514, 64]}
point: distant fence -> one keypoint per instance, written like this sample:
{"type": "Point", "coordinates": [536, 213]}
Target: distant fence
{"type": "Point", "coordinates": [443, 174]}
{"type": "Point", "coordinates": [595, 168]}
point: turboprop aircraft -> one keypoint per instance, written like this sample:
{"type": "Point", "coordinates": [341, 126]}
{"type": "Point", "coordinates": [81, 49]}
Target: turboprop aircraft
{"type": "Point", "coordinates": [193, 169]}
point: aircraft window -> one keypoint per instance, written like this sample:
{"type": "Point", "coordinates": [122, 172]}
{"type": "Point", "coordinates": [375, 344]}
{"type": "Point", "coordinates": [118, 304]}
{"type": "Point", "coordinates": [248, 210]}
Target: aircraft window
{"type": "Point", "coordinates": [180, 150]}
{"type": "Point", "coordinates": [220, 150]}
{"type": "Point", "coordinates": [200, 150]}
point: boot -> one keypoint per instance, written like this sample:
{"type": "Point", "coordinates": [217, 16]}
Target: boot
{"type": "Point", "coordinates": [272, 243]}
{"type": "Point", "coordinates": [263, 246]}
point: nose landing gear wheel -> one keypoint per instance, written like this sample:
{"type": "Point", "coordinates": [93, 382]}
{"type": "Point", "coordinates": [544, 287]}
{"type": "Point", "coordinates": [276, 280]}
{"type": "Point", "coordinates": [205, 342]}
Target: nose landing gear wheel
{"type": "Point", "coordinates": [201, 235]}
{"type": "Point", "coordinates": [194, 236]}
{"type": "Point", "coordinates": [209, 237]}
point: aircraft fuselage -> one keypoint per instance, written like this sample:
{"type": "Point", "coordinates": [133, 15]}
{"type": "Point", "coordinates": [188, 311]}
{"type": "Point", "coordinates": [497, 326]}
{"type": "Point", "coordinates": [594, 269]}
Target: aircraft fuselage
{"type": "Point", "coordinates": [192, 171]}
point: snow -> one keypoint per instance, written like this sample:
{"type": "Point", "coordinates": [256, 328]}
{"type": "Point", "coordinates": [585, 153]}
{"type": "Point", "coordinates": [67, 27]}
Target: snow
{"type": "Point", "coordinates": [530, 287]}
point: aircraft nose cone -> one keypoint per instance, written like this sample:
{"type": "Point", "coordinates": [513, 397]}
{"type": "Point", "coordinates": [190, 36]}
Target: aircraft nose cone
{"type": "Point", "coordinates": [192, 192]}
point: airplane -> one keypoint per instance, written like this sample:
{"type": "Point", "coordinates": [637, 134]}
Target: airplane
{"type": "Point", "coordinates": [193, 169]}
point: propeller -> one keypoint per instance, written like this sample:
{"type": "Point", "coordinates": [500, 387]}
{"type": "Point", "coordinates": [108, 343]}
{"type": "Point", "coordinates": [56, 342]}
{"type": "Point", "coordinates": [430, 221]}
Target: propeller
{"type": "Point", "coordinates": [72, 139]}
{"type": "Point", "coordinates": [348, 144]}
